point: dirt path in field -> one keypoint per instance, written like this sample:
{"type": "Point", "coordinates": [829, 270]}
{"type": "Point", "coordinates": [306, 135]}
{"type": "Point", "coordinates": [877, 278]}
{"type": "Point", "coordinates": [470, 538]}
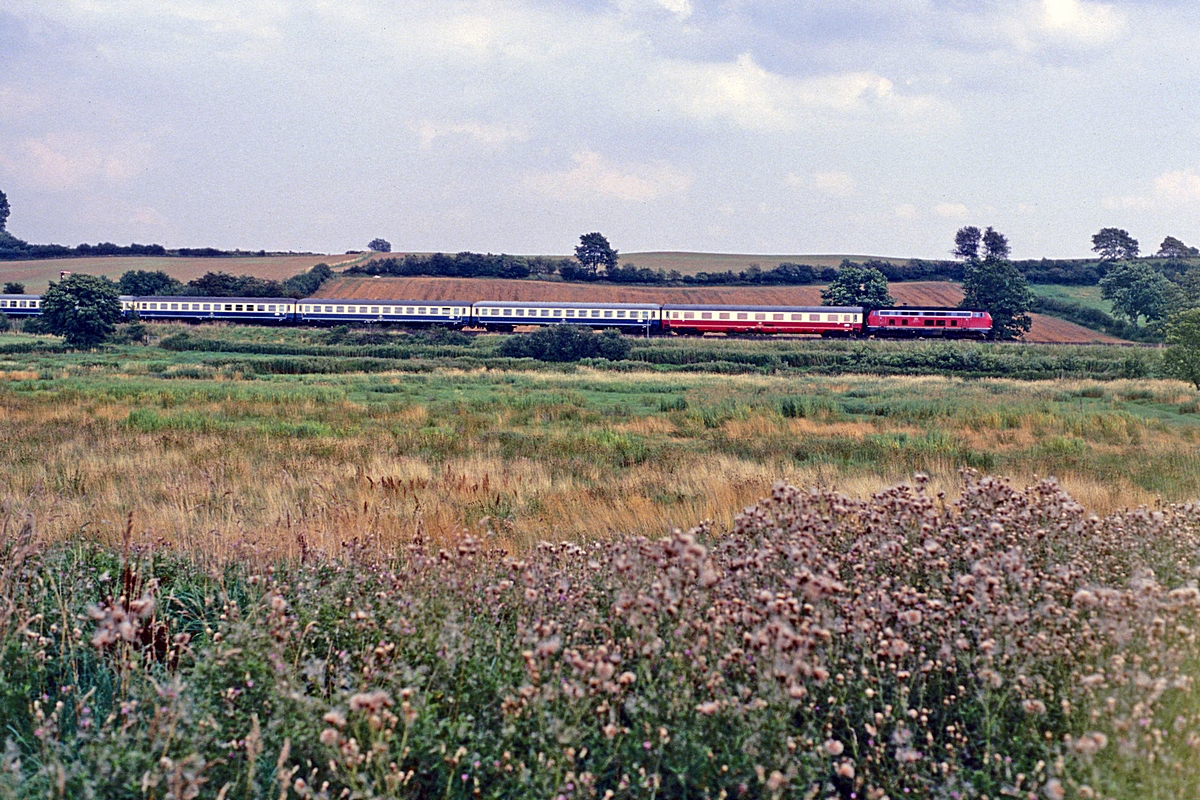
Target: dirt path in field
{"type": "Point", "coordinates": [916, 293]}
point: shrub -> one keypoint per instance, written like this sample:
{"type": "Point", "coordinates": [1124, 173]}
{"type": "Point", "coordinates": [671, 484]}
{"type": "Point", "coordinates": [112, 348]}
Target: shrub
{"type": "Point", "coordinates": [566, 343]}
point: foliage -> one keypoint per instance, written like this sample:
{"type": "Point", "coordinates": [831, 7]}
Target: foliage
{"type": "Point", "coordinates": [1136, 289]}
{"type": "Point", "coordinates": [998, 287]}
{"type": "Point", "coordinates": [460, 265]}
{"type": "Point", "coordinates": [966, 243]}
{"type": "Point", "coordinates": [857, 286]}
{"type": "Point", "coordinates": [1182, 358]}
{"type": "Point", "coordinates": [1114, 244]}
{"type": "Point", "coordinates": [1174, 248]}
{"type": "Point", "coordinates": [145, 283]}
{"type": "Point", "coordinates": [566, 343]}
{"type": "Point", "coordinates": [5, 323]}
{"type": "Point", "coordinates": [4, 210]}
{"type": "Point", "coordinates": [380, 245]}
{"type": "Point", "coordinates": [222, 284]}
{"type": "Point", "coordinates": [83, 309]}
{"type": "Point", "coordinates": [307, 283]}
{"type": "Point", "coordinates": [13, 287]}
{"type": "Point", "coordinates": [995, 245]}
{"type": "Point", "coordinates": [1001, 642]}
{"type": "Point", "coordinates": [594, 252]}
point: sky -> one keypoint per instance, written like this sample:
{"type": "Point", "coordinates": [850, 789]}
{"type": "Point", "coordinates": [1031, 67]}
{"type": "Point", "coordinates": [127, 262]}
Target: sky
{"type": "Point", "coordinates": [745, 126]}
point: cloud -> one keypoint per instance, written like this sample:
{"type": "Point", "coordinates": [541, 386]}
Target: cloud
{"type": "Point", "coordinates": [951, 210]}
{"type": "Point", "coordinates": [905, 211]}
{"type": "Point", "coordinates": [478, 132]}
{"type": "Point", "coordinates": [63, 162]}
{"type": "Point", "coordinates": [1082, 22]}
{"type": "Point", "coordinates": [1179, 187]}
{"type": "Point", "coordinates": [593, 175]}
{"type": "Point", "coordinates": [837, 184]}
{"type": "Point", "coordinates": [745, 94]}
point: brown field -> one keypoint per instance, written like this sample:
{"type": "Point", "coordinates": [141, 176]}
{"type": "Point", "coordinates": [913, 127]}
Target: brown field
{"type": "Point", "coordinates": [1045, 329]}
{"type": "Point", "coordinates": [36, 275]}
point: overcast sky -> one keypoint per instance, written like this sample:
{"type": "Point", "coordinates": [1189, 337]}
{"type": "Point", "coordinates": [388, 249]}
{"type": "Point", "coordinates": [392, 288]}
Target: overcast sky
{"type": "Point", "coordinates": [754, 126]}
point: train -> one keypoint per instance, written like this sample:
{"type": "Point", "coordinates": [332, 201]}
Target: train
{"type": "Point", "coordinates": [507, 315]}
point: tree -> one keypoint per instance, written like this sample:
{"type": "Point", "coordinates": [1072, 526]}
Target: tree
{"type": "Point", "coordinates": [966, 243]}
{"type": "Point", "coordinates": [380, 245]}
{"type": "Point", "coordinates": [995, 244]}
{"type": "Point", "coordinates": [857, 286]}
{"type": "Point", "coordinates": [83, 309]}
{"type": "Point", "coordinates": [3, 211]}
{"type": "Point", "coordinates": [1114, 244]}
{"type": "Point", "coordinates": [594, 252]}
{"type": "Point", "coordinates": [1182, 359]}
{"type": "Point", "coordinates": [143, 283]}
{"type": "Point", "coordinates": [1173, 248]}
{"type": "Point", "coordinates": [1136, 290]}
{"type": "Point", "coordinates": [12, 287]}
{"type": "Point", "coordinates": [995, 285]}
{"type": "Point", "coordinates": [566, 343]}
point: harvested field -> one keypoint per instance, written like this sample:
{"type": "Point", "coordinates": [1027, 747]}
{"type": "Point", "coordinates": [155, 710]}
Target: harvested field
{"type": "Point", "coordinates": [942, 293]}
{"type": "Point", "coordinates": [36, 275]}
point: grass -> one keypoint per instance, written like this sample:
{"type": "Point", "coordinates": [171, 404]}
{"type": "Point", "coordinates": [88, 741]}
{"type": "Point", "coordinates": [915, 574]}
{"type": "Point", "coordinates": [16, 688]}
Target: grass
{"type": "Point", "coordinates": [307, 436]}
{"type": "Point", "coordinates": [1086, 296]}
{"type": "Point", "coordinates": [252, 562]}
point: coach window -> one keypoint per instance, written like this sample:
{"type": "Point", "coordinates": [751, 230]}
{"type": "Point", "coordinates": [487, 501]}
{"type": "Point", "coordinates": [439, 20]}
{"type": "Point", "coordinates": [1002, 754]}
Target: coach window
{"type": "Point", "coordinates": [723, 315]}
{"type": "Point", "coordinates": [570, 312]}
{"type": "Point", "coordinates": [520, 312]}
{"type": "Point", "coordinates": [174, 306]}
{"type": "Point", "coordinates": [831, 317]}
{"type": "Point", "coordinates": [208, 307]}
{"type": "Point", "coordinates": [706, 315]}
{"type": "Point", "coordinates": [620, 314]}
{"type": "Point", "coordinates": [760, 316]}
{"type": "Point", "coordinates": [689, 315]}
{"type": "Point", "coordinates": [814, 317]}
{"type": "Point", "coordinates": [779, 316]}
{"type": "Point", "coordinates": [743, 316]}
{"type": "Point", "coordinates": [262, 308]}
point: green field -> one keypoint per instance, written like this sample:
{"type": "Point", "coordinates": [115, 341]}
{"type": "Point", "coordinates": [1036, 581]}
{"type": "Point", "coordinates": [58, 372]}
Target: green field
{"type": "Point", "coordinates": [1086, 296]}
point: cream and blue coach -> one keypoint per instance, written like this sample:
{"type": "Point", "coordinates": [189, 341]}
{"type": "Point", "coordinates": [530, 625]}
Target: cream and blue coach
{"type": "Point", "coordinates": [238, 309]}
{"type": "Point", "coordinates": [507, 314]}
{"type": "Point", "coordinates": [331, 311]}
{"type": "Point", "coordinates": [20, 305]}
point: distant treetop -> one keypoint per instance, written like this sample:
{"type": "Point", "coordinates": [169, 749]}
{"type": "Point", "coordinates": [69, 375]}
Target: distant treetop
{"type": "Point", "coordinates": [380, 245]}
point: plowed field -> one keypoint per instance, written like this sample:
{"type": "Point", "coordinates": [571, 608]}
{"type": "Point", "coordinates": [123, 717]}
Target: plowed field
{"type": "Point", "coordinates": [937, 293]}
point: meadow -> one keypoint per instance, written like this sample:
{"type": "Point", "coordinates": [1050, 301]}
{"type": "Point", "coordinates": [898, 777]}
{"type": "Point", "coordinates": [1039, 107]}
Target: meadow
{"type": "Point", "coordinates": [294, 563]}
{"type": "Point", "coordinates": [226, 440]}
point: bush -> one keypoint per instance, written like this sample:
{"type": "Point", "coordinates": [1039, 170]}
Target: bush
{"type": "Point", "coordinates": [5, 323]}
{"type": "Point", "coordinates": [566, 343]}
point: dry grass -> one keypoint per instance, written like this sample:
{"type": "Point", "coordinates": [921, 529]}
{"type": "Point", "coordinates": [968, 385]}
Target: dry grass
{"type": "Point", "coordinates": [223, 465]}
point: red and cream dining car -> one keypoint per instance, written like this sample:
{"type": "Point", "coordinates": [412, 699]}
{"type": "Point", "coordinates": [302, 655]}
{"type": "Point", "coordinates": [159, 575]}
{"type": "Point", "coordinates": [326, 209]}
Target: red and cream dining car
{"type": "Point", "coordinates": [822, 320]}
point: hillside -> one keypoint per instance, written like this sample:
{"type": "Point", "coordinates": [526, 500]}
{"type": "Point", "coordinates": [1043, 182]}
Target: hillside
{"type": "Point", "coordinates": [36, 275]}
{"type": "Point", "coordinates": [1045, 329]}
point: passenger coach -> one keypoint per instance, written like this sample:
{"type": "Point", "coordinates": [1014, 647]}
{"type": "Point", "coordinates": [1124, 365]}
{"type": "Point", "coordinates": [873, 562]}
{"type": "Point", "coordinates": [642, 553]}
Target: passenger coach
{"type": "Point", "coordinates": [20, 305]}
{"type": "Point", "coordinates": [823, 320]}
{"type": "Point", "coordinates": [331, 311]}
{"type": "Point", "coordinates": [238, 309]}
{"type": "Point", "coordinates": [505, 315]}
